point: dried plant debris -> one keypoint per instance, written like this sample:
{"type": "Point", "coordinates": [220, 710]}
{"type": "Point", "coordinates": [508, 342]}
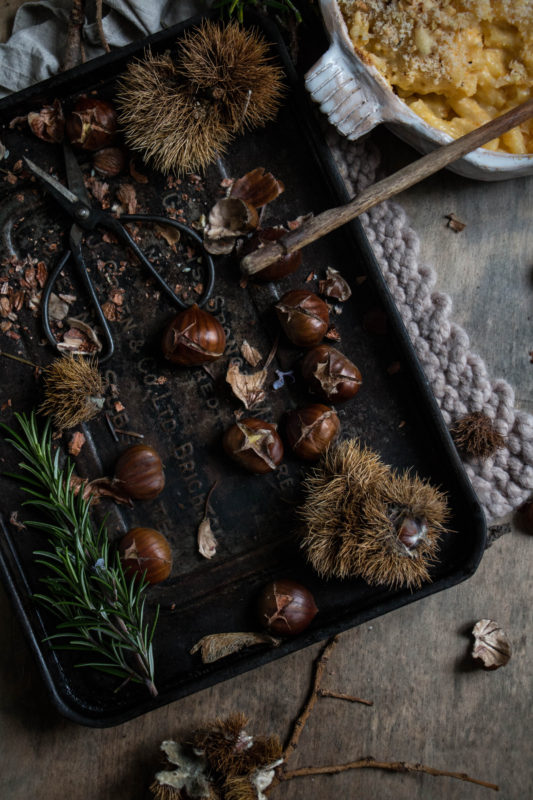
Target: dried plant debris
{"type": "Point", "coordinates": [454, 223]}
{"type": "Point", "coordinates": [73, 390]}
{"type": "Point", "coordinates": [80, 338]}
{"type": "Point", "coordinates": [220, 761]}
{"type": "Point", "coordinates": [491, 645]}
{"type": "Point", "coordinates": [249, 389]}
{"type": "Point", "coordinates": [76, 442]}
{"type": "Point", "coordinates": [229, 219]}
{"type": "Point", "coordinates": [48, 123]}
{"type": "Point", "coordinates": [477, 436]}
{"type": "Point", "coordinates": [334, 285]}
{"type": "Point", "coordinates": [257, 187]}
{"type": "Point", "coordinates": [207, 543]}
{"type": "Point", "coordinates": [219, 645]}
{"type": "Point", "coordinates": [181, 109]}
{"type": "Point", "coordinates": [250, 354]}
{"type": "Point", "coordinates": [363, 519]}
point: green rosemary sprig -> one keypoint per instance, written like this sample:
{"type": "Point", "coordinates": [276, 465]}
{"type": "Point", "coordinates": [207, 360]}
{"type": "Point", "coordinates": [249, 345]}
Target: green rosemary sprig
{"type": "Point", "coordinates": [235, 8]}
{"type": "Point", "coordinates": [101, 612]}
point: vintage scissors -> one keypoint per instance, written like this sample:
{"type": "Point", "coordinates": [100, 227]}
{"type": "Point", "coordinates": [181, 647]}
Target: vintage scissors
{"type": "Point", "coordinates": [75, 201]}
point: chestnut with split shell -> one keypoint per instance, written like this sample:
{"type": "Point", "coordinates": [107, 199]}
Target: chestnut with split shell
{"type": "Point", "coordinates": [193, 337]}
{"type": "Point", "coordinates": [254, 444]}
{"type": "Point", "coordinates": [330, 374]}
{"type": "Point", "coordinates": [92, 124]}
{"type": "Point", "coordinates": [304, 317]}
{"type": "Point", "coordinates": [286, 608]}
{"type": "Point", "coordinates": [310, 430]}
{"type": "Point", "coordinates": [145, 552]}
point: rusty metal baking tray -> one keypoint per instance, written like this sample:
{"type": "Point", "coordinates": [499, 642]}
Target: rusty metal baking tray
{"type": "Point", "coordinates": [183, 413]}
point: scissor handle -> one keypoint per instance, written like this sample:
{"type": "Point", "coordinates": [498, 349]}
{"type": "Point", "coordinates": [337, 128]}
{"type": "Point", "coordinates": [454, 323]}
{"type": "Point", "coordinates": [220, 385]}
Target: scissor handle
{"type": "Point", "coordinates": [75, 253]}
{"type": "Point", "coordinates": [117, 226]}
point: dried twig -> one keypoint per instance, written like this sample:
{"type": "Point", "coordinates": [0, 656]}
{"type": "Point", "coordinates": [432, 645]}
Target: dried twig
{"type": "Point", "coordinates": [74, 47]}
{"type": "Point", "coordinates": [340, 696]}
{"type": "Point", "coordinates": [391, 766]}
{"type": "Point", "coordinates": [19, 359]}
{"type": "Point", "coordinates": [100, 26]}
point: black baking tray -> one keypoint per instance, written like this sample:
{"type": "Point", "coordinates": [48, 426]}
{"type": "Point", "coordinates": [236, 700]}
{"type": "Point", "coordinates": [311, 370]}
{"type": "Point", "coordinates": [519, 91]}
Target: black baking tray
{"type": "Point", "coordinates": [183, 413]}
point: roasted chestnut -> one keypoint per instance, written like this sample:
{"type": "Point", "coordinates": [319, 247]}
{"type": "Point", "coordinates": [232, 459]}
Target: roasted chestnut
{"type": "Point", "coordinates": [193, 337]}
{"type": "Point", "coordinates": [304, 317]}
{"type": "Point", "coordinates": [285, 265]}
{"type": "Point", "coordinates": [92, 124]}
{"type": "Point", "coordinates": [145, 552]}
{"type": "Point", "coordinates": [311, 430]}
{"type": "Point", "coordinates": [330, 375]}
{"type": "Point", "coordinates": [286, 608]}
{"type": "Point", "coordinates": [109, 161]}
{"type": "Point", "coordinates": [254, 444]}
{"type": "Point", "coordinates": [140, 472]}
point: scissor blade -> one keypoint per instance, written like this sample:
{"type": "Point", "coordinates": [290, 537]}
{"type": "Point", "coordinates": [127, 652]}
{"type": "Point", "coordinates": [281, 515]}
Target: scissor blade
{"type": "Point", "coordinates": [64, 196]}
{"type": "Point", "coordinates": [75, 176]}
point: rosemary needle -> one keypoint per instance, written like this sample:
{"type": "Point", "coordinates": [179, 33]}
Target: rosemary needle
{"type": "Point", "coordinates": [101, 612]}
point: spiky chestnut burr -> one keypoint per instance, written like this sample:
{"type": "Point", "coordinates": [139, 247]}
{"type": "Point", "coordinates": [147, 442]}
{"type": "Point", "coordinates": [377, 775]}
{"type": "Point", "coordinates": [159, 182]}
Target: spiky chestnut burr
{"type": "Point", "coordinates": [364, 520]}
{"type": "Point", "coordinates": [335, 492]}
{"type": "Point", "coordinates": [400, 536]}
{"type": "Point", "coordinates": [73, 391]}
{"type": "Point", "coordinates": [476, 435]}
{"type": "Point", "coordinates": [180, 110]}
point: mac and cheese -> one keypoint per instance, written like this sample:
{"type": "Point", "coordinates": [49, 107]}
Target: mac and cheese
{"type": "Point", "coordinates": [456, 64]}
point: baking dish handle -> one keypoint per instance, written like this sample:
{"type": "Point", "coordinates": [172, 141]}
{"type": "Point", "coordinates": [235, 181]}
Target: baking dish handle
{"type": "Point", "coordinates": [345, 93]}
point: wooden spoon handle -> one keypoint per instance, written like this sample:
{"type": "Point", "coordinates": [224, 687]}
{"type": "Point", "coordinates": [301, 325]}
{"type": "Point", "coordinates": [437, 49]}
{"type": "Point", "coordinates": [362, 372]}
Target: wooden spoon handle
{"type": "Point", "coordinates": [407, 176]}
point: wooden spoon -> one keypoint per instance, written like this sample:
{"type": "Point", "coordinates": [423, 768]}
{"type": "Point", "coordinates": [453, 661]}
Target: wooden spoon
{"type": "Point", "coordinates": [333, 218]}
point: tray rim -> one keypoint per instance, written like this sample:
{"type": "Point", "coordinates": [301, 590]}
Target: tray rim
{"type": "Point", "coordinates": [250, 660]}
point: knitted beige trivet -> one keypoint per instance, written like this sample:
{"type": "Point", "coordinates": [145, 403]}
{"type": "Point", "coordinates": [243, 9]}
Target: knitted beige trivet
{"type": "Point", "coordinates": [458, 377]}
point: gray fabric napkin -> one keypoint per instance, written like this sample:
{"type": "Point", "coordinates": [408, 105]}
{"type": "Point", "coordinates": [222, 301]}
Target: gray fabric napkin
{"type": "Point", "coordinates": [36, 48]}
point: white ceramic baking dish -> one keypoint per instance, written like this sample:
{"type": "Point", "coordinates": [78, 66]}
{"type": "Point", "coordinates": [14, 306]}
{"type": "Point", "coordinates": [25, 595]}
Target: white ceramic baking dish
{"type": "Point", "coordinates": [356, 98]}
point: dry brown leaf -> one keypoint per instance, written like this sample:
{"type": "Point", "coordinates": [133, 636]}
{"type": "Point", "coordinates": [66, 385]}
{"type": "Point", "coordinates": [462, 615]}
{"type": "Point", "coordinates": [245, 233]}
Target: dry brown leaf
{"type": "Point", "coordinates": [220, 645]}
{"type": "Point", "coordinates": [170, 234]}
{"type": "Point", "coordinates": [247, 388]}
{"type": "Point", "coordinates": [250, 354]}
{"type": "Point", "coordinates": [491, 644]}
{"type": "Point", "coordinates": [207, 544]}
{"type": "Point", "coordinates": [77, 440]}
{"type": "Point", "coordinates": [257, 187]}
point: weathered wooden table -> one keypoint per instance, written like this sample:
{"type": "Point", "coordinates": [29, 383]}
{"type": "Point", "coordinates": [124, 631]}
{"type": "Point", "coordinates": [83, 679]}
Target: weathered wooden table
{"type": "Point", "coordinates": [430, 704]}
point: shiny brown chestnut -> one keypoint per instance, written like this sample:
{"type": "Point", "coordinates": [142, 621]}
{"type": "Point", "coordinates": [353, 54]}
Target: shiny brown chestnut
{"type": "Point", "coordinates": [286, 608]}
{"type": "Point", "coordinates": [109, 161]}
{"type": "Point", "coordinates": [193, 337]}
{"type": "Point", "coordinates": [92, 124]}
{"type": "Point", "coordinates": [304, 317]}
{"type": "Point", "coordinates": [145, 552]}
{"type": "Point", "coordinates": [330, 375]}
{"type": "Point", "coordinates": [285, 265]}
{"type": "Point", "coordinates": [254, 444]}
{"type": "Point", "coordinates": [140, 472]}
{"type": "Point", "coordinates": [310, 430]}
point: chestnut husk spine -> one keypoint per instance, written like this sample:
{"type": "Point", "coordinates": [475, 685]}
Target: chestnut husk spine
{"type": "Point", "coordinates": [139, 470]}
{"type": "Point", "coordinates": [145, 554]}
{"type": "Point", "coordinates": [254, 444]}
{"type": "Point", "coordinates": [311, 429]}
{"type": "Point", "coordinates": [303, 316]}
{"type": "Point", "coordinates": [286, 608]}
{"type": "Point", "coordinates": [330, 374]}
{"type": "Point", "coordinates": [193, 337]}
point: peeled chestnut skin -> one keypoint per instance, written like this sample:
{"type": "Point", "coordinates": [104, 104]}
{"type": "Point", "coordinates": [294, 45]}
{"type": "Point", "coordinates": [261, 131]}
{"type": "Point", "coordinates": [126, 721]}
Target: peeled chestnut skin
{"type": "Point", "coordinates": [254, 444]}
{"type": "Point", "coordinates": [285, 265]}
{"type": "Point", "coordinates": [92, 124]}
{"type": "Point", "coordinates": [193, 337]}
{"type": "Point", "coordinates": [330, 375]}
{"type": "Point", "coordinates": [145, 552]}
{"type": "Point", "coordinates": [310, 430]}
{"type": "Point", "coordinates": [304, 317]}
{"type": "Point", "coordinates": [286, 608]}
{"type": "Point", "coordinates": [140, 472]}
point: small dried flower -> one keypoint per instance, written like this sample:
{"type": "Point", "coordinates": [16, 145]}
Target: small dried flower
{"type": "Point", "coordinates": [476, 434]}
{"type": "Point", "coordinates": [491, 644]}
